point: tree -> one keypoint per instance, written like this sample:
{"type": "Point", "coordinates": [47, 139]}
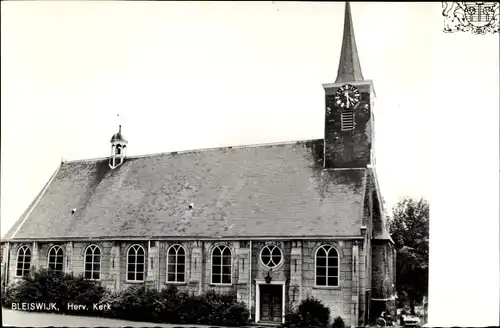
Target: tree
{"type": "Point", "coordinates": [409, 228]}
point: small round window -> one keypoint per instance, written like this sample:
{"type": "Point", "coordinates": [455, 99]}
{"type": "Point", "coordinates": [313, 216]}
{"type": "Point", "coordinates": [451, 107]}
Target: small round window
{"type": "Point", "coordinates": [271, 256]}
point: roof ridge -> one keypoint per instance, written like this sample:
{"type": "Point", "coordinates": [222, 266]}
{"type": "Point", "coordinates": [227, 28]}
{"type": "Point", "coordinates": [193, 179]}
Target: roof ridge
{"type": "Point", "coordinates": [176, 152]}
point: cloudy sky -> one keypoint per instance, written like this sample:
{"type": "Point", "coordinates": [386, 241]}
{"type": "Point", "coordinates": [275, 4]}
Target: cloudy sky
{"type": "Point", "coordinates": [197, 75]}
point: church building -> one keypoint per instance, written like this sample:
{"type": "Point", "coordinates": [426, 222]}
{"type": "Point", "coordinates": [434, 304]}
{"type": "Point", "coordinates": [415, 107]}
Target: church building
{"type": "Point", "coordinates": [272, 223]}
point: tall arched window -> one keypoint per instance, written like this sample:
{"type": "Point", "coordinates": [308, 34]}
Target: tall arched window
{"type": "Point", "coordinates": [327, 266]}
{"type": "Point", "coordinates": [221, 265]}
{"type": "Point", "coordinates": [176, 264]}
{"type": "Point", "coordinates": [23, 261]}
{"type": "Point", "coordinates": [135, 263]}
{"type": "Point", "coordinates": [56, 259]}
{"type": "Point", "coordinates": [93, 262]}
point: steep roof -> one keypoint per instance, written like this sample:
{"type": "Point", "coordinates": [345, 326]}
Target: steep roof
{"type": "Point", "coordinates": [278, 190]}
{"type": "Point", "coordinates": [349, 65]}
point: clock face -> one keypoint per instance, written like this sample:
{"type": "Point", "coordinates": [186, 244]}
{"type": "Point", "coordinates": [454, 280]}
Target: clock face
{"type": "Point", "coordinates": [347, 96]}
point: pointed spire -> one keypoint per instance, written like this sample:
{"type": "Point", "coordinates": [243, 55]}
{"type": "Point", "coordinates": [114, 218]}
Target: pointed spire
{"type": "Point", "coordinates": [349, 66]}
{"type": "Point", "coordinates": [120, 129]}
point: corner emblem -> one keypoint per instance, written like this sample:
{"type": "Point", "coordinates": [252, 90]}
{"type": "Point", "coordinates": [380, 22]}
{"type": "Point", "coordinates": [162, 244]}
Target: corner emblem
{"type": "Point", "coordinates": [476, 17]}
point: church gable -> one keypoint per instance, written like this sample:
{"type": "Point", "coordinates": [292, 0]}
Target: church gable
{"type": "Point", "coordinates": [257, 191]}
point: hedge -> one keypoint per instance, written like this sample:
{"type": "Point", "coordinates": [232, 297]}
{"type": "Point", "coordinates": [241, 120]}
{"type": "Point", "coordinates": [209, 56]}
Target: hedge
{"type": "Point", "coordinates": [45, 287]}
{"type": "Point", "coordinates": [137, 303]}
{"type": "Point", "coordinates": [311, 313]}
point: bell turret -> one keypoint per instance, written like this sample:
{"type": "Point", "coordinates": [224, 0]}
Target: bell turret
{"type": "Point", "coordinates": [118, 149]}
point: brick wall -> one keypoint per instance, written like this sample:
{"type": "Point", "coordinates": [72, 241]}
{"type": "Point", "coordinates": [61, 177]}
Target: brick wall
{"type": "Point", "coordinates": [383, 275]}
{"type": "Point", "coordinates": [124, 248]}
{"type": "Point", "coordinates": [296, 270]}
{"type": "Point", "coordinates": [348, 148]}
{"type": "Point", "coordinates": [13, 249]}
{"type": "Point", "coordinates": [78, 262]}
{"type": "Point", "coordinates": [338, 299]}
{"type": "Point", "coordinates": [382, 271]}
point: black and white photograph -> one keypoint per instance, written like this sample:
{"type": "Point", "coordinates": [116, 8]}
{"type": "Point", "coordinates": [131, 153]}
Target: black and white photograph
{"type": "Point", "coordinates": [249, 164]}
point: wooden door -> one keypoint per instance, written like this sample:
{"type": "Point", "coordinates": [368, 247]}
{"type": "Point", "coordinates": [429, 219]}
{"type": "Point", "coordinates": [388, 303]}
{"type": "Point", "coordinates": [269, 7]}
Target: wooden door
{"type": "Point", "coordinates": [271, 303]}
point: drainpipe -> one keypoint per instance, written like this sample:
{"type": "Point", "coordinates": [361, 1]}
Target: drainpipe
{"type": "Point", "coordinates": [355, 278]}
{"type": "Point", "coordinates": [150, 263]}
{"type": "Point", "coordinates": [158, 256]}
{"type": "Point", "coordinates": [7, 263]}
{"type": "Point", "coordinates": [250, 280]}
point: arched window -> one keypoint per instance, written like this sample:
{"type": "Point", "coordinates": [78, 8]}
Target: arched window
{"type": "Point", "coordinates": [118, 149]}
{"type": "Point", "coordinates": [221, 265]}
{"type": "Point", "coordinates": [135, 263]}
{"type": "Point", "coordinates": [327, 266]}
{"type": "Point", "coordinates": [176, 264]}
{"type": "Point", "coordinates": [56, 259]}
{"type": "Point", "coordinates": [23, 261]}
{"type": "Point", "coordinates": [93, 263]}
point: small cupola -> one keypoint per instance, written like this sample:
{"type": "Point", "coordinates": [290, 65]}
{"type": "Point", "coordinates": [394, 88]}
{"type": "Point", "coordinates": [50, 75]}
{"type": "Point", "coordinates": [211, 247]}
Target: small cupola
{"type": "Point", "coordinates": [118, 149]}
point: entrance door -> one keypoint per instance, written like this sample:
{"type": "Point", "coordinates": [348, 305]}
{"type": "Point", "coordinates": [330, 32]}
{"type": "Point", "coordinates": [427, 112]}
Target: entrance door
{"type": "Point", "coordinates": [271, 303]}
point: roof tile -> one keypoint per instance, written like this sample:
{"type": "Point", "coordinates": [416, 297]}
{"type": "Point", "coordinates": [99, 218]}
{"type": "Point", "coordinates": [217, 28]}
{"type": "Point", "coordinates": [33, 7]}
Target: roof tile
{"type": "Point", "coordinates": [270, 190]}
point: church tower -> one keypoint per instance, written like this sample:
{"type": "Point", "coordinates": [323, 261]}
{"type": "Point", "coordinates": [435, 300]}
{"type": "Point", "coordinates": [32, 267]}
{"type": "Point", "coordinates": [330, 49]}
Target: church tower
{"type": "Point", "coordinates": [349, 109]}
{"type": "Point", "coordinates": [118, 149]}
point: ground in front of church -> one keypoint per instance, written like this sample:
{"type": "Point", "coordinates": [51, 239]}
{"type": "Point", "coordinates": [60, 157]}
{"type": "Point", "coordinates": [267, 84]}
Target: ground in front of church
{"type": "Point", "coordinates": [31, 319]}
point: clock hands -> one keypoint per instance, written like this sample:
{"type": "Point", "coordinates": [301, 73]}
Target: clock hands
{"type": "Point", "coordinates": [347, 96]}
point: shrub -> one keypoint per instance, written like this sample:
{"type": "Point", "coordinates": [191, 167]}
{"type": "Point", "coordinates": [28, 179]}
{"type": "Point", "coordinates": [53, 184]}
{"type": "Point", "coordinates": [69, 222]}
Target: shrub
{"type": "Point", "coordinates": [338, 323]}
{"type": "Point", "coordinates": [310, 313]}
{"type": "Point", "coordinates": [177, 307]}
{"type": "Point", "coordinates": [62, 289]}
{"type": "Point", "coordinates": [137, 302]}
{"type": "Point", "coordinates": [221, 309]}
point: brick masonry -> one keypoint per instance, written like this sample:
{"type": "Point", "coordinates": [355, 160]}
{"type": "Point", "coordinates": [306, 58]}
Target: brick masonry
{"type": "Point", "coordinates": [366, 271]}
{"type": "Point", "coordinates": [296, 271]}
{"type": "Point", "coordinates": [347, 149]}
{"type": "Point", "coordinates": [383, 278]}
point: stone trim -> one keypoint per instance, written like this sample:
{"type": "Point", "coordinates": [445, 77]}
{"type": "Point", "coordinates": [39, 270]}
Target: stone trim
{"type": "Point", "coordinates": [35, 256]}
{"type": "Point", "coordinates": [85, 261]}
{"type": "Point", "coordinates": [340, 255]}
{"type": "Point", "coordinates": [19, 247]}
{"type": "Point", "coordinates": [259, 282]}
{"type": "Point", "coordinates": [382, 299]}
{"type": "Point", "coordinates": [186, 259]}
{"type": "Point", "coordinates": [64, 256]}
{"type": "Point", "coordinates": [265, 267]}
{"type": "Point", "coordinates": [233, 258]}
{"type": "Point", "coordinates": [144, 277]}
{"type": "Point", "coordinates": [186, 238]}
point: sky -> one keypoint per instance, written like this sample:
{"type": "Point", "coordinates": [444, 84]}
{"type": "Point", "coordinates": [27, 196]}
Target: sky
{"type": "Point", "coordinates": [191, 75]}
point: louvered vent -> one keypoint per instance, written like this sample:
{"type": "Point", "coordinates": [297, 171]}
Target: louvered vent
{"type": "Point", "coordinates": [347, 120]}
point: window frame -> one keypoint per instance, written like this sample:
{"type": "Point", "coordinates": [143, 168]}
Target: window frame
{"type": "Point", "coordinates": [221, 248]}
{"type": "Point", "coordinates": [347, 115]}
{"type": "Point", "coordinates": [135, 267]}
{"type": "Point", "coordinates": [56, 256]}
{"type": "Point", "coordinates": [176, 272]}
{"type": "Point", "coordinates": [273, 247]}
{"type": "Point", "coordinates": [25, 249]}
{"type": "Point", "coordinates": [95, 247]}
{"type": "Point", "coordinates": [327, 248]}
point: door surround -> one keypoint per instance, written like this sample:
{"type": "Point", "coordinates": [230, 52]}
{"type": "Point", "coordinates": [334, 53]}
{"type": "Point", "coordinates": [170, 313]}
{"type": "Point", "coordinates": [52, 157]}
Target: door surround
{"type": "Point", "coordinates": [259, 282]}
